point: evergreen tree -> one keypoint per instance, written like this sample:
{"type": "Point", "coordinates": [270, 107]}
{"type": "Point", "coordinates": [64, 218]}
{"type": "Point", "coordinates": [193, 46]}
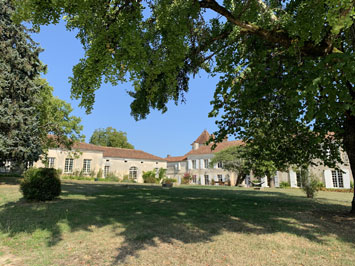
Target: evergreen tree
{"type": "Point", "coordinates": [19, 69]}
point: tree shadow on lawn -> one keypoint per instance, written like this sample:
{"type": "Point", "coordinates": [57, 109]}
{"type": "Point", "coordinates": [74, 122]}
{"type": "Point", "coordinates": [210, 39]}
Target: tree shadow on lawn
{"type": "Point", "coordinates": [6, 179]}
{"type": "Point", "coordinates": [189, 215]}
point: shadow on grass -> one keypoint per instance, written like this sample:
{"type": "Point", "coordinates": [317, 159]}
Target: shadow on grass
{"type": "Point", "coordinates": [189, 215]}
{"type": "Point", "coordinates": [10, 179]}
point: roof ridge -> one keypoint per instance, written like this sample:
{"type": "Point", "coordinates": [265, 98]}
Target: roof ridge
{"type": "Point", "coordinates": [114, 151]}
{"type": "Point", "coordinates": [109, 146]}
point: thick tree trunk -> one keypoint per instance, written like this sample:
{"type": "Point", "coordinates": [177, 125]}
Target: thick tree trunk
{"type": "Point", "coordinates": [349, 144]}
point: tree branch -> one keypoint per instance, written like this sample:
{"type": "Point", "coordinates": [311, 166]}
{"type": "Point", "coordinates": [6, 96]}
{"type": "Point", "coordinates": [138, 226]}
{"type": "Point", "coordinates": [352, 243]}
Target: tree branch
{"type": "Point", "coordinates": [278, 37]}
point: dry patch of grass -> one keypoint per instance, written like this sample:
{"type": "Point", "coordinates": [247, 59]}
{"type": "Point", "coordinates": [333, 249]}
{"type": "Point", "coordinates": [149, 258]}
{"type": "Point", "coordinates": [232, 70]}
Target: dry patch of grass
{"type": "Point", "coordinates": [115, 224]}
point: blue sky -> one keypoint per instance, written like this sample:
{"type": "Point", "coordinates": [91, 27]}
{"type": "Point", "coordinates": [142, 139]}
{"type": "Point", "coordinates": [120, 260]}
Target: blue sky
{"type": "Point", "coordinates": [159, 134]}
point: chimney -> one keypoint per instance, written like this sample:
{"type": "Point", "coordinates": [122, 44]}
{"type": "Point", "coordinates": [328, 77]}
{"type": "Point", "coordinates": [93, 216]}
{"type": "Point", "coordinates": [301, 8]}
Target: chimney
{"type": "Point", "coordinates": [168, 156]}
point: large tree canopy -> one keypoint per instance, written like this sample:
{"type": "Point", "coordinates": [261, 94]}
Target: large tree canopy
{"type": "Point", "coordinates": [233, 159]}
{"type": "Point", "coordinates": [28, 109]}
{"type": "Point", "coordinates": [287, 68]}
{"type": "Point", "coordinates": [110, 137]}
{"type": "Point", "coordinates": [56, 119]}
{"type": "Point", "coordinates": [242, 160]}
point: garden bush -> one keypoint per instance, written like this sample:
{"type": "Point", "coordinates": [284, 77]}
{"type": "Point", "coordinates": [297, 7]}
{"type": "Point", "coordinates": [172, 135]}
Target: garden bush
{"type": "Point", "coordinates": [169, 180]}
{"type": "Point", "coordinates": [284, 185]}
{"type": "Point", "coordinates": [149, 177]}
{"type": "Point", "coordinates": [320, 185]}
{"type": "Point", "coordinates": [310, 185]}
{"type": "Point", "coordinates": [112, 177]}
{"type": "Point", "coordinates": [161, 174]}
{"type": "Point", "coordinates": [40, 184]}
{"type": "Point", "coordinates": [127, 179]}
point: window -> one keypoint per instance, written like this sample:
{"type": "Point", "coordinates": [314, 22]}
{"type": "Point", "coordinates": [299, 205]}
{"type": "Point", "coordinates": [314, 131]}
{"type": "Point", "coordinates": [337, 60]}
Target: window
{"type": "Point", "coordinates": [51, 162]}
{"type": "Point", "coordinates": [68, 167]}
{"type": "Point", "coordinates": [87, 166]}
{"type": "Point", "coordinates": [106, 170]}
{"type": "Point", "coordinates": [133, 172]}
{"type": "Point", "coordinates": [194, 179]}
{"type": "Point", "coordinates": [178, 166]}
{"type": "Point", "coordinates": [219, 165]}
{"type": "Point", "coordinates": [207, 163]}
{"type": "Point", "coordinates": [220, 178]}
{"type": "Point", "coordinates": [194, 164]}
{"type": "Point", "coordinates": [337, 177]}
{"type": "Point", "coordinates": [207, 180]}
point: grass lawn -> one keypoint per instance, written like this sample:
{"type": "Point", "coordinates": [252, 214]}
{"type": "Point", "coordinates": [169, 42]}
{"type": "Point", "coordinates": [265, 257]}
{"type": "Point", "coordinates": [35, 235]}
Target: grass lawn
{"type": "Point", "coordinates": [104, 223]}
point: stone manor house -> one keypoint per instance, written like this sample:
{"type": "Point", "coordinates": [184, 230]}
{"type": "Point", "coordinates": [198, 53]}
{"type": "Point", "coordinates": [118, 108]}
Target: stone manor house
{"type": "Point", "coordinates": [196, 163]}
{"type": "Point", "coordinates": [92, 158]}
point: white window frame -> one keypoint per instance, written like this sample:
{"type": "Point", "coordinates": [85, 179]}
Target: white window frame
{"type": "Point", "coordinates": [133, 172]}
{"type": "Point", "coordinates": [68, 165]}
{"type": "Point", "coordinates": [219, 165]}
{"type": "Point", "coordinates": [194, 164]}
{"type": "Point", "coordinates": [337, 179]}
{"type": "Point", "coordinates": [220, 178]}
{"type": "Point", "coordinates": [86, 166]}
{"type": "Point", "coordinates": [51, 161]}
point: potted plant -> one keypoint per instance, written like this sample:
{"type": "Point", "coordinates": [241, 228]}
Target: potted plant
{"type": "Point", "coordinates": [168, 182]}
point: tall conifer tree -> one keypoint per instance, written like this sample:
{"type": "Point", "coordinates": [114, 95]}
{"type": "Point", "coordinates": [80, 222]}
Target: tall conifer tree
{"type": "Point", "coordinates": [20, 66]}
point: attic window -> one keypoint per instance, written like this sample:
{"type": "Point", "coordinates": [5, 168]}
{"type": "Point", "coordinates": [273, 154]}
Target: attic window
{"type": "Point", "coordinates": [156, 162]}
{"type": "Point", "coordinates": [107, 160]}
{"type": "Point", "coordinates": [141, 161]}
{"type": "Point", "coordinates": [125, 161]}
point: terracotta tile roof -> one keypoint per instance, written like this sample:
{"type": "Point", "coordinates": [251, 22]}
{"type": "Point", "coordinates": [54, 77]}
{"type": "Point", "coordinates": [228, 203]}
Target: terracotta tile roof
{"type": "Point", "coordinates": [205, 150]}
{"type": "Point", "coordinates": [118, 152]}
{"type": "Point", "coordinates": [176, 158]}
{"type": "Point", "coordinates": [203, 138]}
{"type": "Point", "coordinates": [220, 146]}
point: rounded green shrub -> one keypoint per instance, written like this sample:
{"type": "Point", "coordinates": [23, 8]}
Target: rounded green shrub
{"type": "Point", "coordinates": [40, 184]}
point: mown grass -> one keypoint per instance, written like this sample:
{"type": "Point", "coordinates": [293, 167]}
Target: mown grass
{"type": "Point", "coordinates": [130, 224]}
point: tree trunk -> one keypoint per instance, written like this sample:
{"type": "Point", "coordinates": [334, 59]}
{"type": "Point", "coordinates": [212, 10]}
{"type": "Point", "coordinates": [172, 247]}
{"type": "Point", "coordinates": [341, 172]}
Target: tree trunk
{"type": "Point", "coordinates": [271, 181]}
{"type": "Point", "coordinates": [240, 179]}
{"type": "Point", "coordinates": [349, 144]}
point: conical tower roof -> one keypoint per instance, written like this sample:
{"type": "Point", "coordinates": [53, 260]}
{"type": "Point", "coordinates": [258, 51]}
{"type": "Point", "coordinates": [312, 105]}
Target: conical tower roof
{"type": "Point", "coordinates": [203, 138]}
